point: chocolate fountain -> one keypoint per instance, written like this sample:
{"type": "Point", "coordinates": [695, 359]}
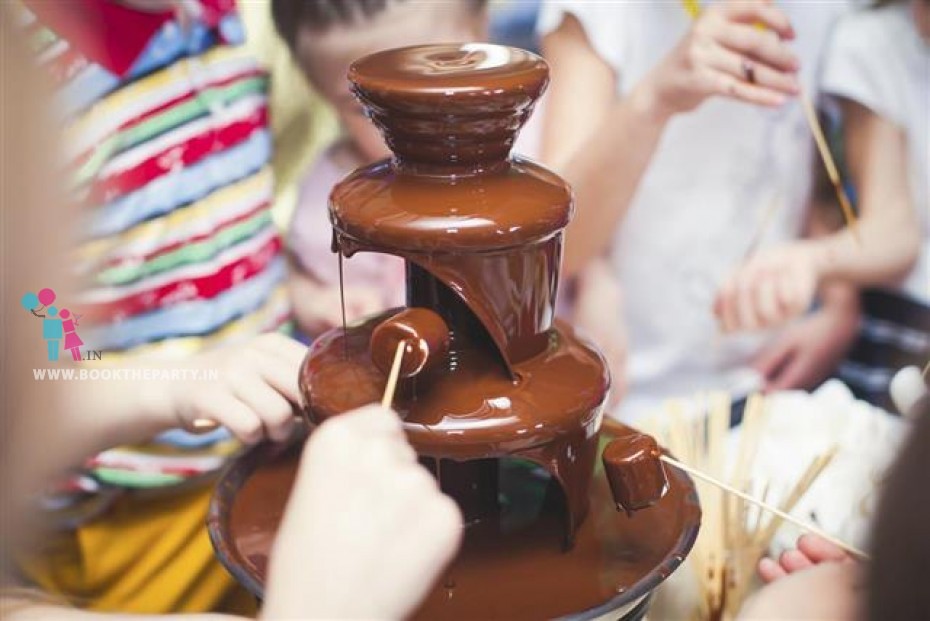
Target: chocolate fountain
{"type": "Point", "coordinates": [502, 402]}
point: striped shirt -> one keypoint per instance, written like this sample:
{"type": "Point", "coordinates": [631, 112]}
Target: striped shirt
{"type": "Point", "coordinates": [170, 169]}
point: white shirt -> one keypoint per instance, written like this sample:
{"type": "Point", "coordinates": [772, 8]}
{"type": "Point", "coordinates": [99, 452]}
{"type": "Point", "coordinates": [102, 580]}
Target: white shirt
{"type": "Point", "coordinates": [715, 173]}
{"type": "Point", "coordinates": [877, 59]}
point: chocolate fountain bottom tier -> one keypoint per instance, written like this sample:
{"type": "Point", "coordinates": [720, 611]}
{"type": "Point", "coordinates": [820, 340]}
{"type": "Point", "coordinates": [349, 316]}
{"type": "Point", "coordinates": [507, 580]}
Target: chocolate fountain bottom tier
{"type": "Point", "coordinates": [468, 408]}
{"type": "Point", "coordinates": [512, 568]}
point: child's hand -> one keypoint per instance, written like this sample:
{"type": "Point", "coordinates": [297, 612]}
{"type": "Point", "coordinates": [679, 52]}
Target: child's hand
{"type": "Point", "coordinates": [252, 396]}
{"type": "Point", "coordinates": [826, 591]}
{"type": "Point", "coordinates": [725, 54]}
{"type": "Point", "coordinates": [770, 289]}
{"type": "Point", "coordinates": [599, 315]}
{"type": "Point", "coordinates": [808, 351]}
{"type": "Point", "coordinates": [363, 512]}
{"type": "Point", "coordinates": [812, 550]}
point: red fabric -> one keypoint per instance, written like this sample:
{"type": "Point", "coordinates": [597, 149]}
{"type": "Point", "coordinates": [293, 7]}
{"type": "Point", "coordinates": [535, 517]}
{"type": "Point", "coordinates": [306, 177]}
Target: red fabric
{"type": "Point", "coordinates": [263, 205]}
{"type": "Point", "coordinates": [111, 34]}
{"type": "Point", "coordinates": [176, 157]}
{"type": "Point", "coordinates": [145, 116]}
{"type": "Point", "coordinates": [202, 287]}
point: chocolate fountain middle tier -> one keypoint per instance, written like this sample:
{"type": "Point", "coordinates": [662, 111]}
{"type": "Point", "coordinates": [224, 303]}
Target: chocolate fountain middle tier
{"type": "Point", "coordinates": [489, 241]}
{"type": "Point", "coordinates": [550, 414]}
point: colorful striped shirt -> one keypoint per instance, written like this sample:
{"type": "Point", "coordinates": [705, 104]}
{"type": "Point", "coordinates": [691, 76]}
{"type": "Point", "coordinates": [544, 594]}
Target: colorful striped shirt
{"type": "Point", "coordinates": [173, 187]}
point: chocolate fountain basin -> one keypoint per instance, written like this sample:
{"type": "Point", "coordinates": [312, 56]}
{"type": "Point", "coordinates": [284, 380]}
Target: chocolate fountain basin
{"type": "Point", "coordinates": [511, 567]}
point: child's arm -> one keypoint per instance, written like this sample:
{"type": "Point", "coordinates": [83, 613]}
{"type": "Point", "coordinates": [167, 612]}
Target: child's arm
{"type": "Point", "coordinates": [876, 153]}
{"type": "Point", "coordinates": [248, 387]}
{"type": "Point", "coordinates": [603, 145]}
{"type": "Point", "coordinates": [779, 283]}
{"type": "Point", "coordinates": [816, 580]}
{"type": "Point", "coordinates": [363, 511]}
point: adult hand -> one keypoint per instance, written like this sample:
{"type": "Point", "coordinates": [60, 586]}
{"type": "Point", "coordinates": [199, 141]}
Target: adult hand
{"type": "Point", "coordinates": [366, 531]}
{"type": "Point", "coordinates": [773, 287]}
{"type": "Point", "coordinates": [726, 53]}
{"type": "Point", "coordinates": [253, 392]}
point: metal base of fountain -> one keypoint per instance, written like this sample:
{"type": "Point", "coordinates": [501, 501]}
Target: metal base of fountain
{"type": "Point", "coordinates": [509, 567]}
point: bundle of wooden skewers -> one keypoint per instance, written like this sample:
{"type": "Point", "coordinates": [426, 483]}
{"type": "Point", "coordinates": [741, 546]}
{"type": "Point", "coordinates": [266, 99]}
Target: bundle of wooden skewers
{"type": "Point", "coordinates": [735, 534]}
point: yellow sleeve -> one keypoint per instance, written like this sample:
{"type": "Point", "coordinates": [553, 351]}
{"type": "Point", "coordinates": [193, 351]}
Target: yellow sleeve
{"type": "Point", "coordinates": [301, 121]}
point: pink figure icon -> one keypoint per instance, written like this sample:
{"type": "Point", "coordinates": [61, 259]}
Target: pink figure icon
{"type": "Point", "coordinates": [72, 341]}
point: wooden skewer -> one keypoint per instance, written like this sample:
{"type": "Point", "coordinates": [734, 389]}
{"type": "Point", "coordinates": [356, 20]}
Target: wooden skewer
{"type": "Point", "coordinates": [391, 386]}
{"type": "Point", "coordinates": [828, 162]}
{"type": "Point", "coordinates": [767, 507]}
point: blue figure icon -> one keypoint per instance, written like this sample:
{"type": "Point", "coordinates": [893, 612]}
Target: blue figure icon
{"type": "Point", "coordinates": [52, 332]}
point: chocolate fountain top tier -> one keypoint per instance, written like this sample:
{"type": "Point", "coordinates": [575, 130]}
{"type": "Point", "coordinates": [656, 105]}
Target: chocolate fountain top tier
{"type": "Point", "coordinates": [458, 105]}
{"type": "Point", "coordinates": [450, 113]}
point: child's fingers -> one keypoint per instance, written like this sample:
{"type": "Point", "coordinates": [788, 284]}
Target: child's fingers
{"type": "Point", "coordinates": [773, 358]}
{"type": "Point", "coordinates": [760, 13]}
{"type": "Point", "coordinates": [236, 416]}
{"type": "Point", "coordinates": [794, 560]}
{"type": "Point", "coordinates": [746, 314]}
{"type": "Point", "coordinates": [725, 305]}
{"type": "Point", "coordinates": [791, 374]}
{"type": "Point", "coordinates": [282, 347]}
{"type": "Point", "coordinates": [757, 44]}
{"type": "Point", "coordinates": [770, 571]}
{"type": "Point", "coordinates": [819, 550]}
{"type": "Point", "coordinates": [373, 420]}
{"type": "Point", "coordinates": [279, 363]}
{"type": "Point", "coordinates": [763, 76]}
{"type": "Point", "coordinates": [722, 83]}
{"type": "Point", "coordinates": [274, 411]}
{"type": "Point", "coordinates": [767, 300]}
{"type": "Point", "coordinates": [786, 294]}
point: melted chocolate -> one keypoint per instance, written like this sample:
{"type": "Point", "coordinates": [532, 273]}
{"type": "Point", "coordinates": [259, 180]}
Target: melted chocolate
{"type": "Point", "coordinates": [634, 471]}
{"type": "Point", "coordinates": [423, 331]}
{"type": "Point", "coordinates": [471, 410]}
{"type": "Point", "coordinates": [481, 233]}
{"type": "Point", "coordinates": [510, 567]}
{"type": "Point", "coordinates": [456, 106]}
{"type": "Point", "coordinates": [451, 201]}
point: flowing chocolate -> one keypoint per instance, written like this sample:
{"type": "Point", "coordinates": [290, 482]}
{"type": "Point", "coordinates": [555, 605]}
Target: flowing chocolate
{"type": "Point", "coordinates": [635, 471]}
{"type": "Point", "coordinates": [481, 233]}
{"type": "Point", "coordinates": [426, 336]}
